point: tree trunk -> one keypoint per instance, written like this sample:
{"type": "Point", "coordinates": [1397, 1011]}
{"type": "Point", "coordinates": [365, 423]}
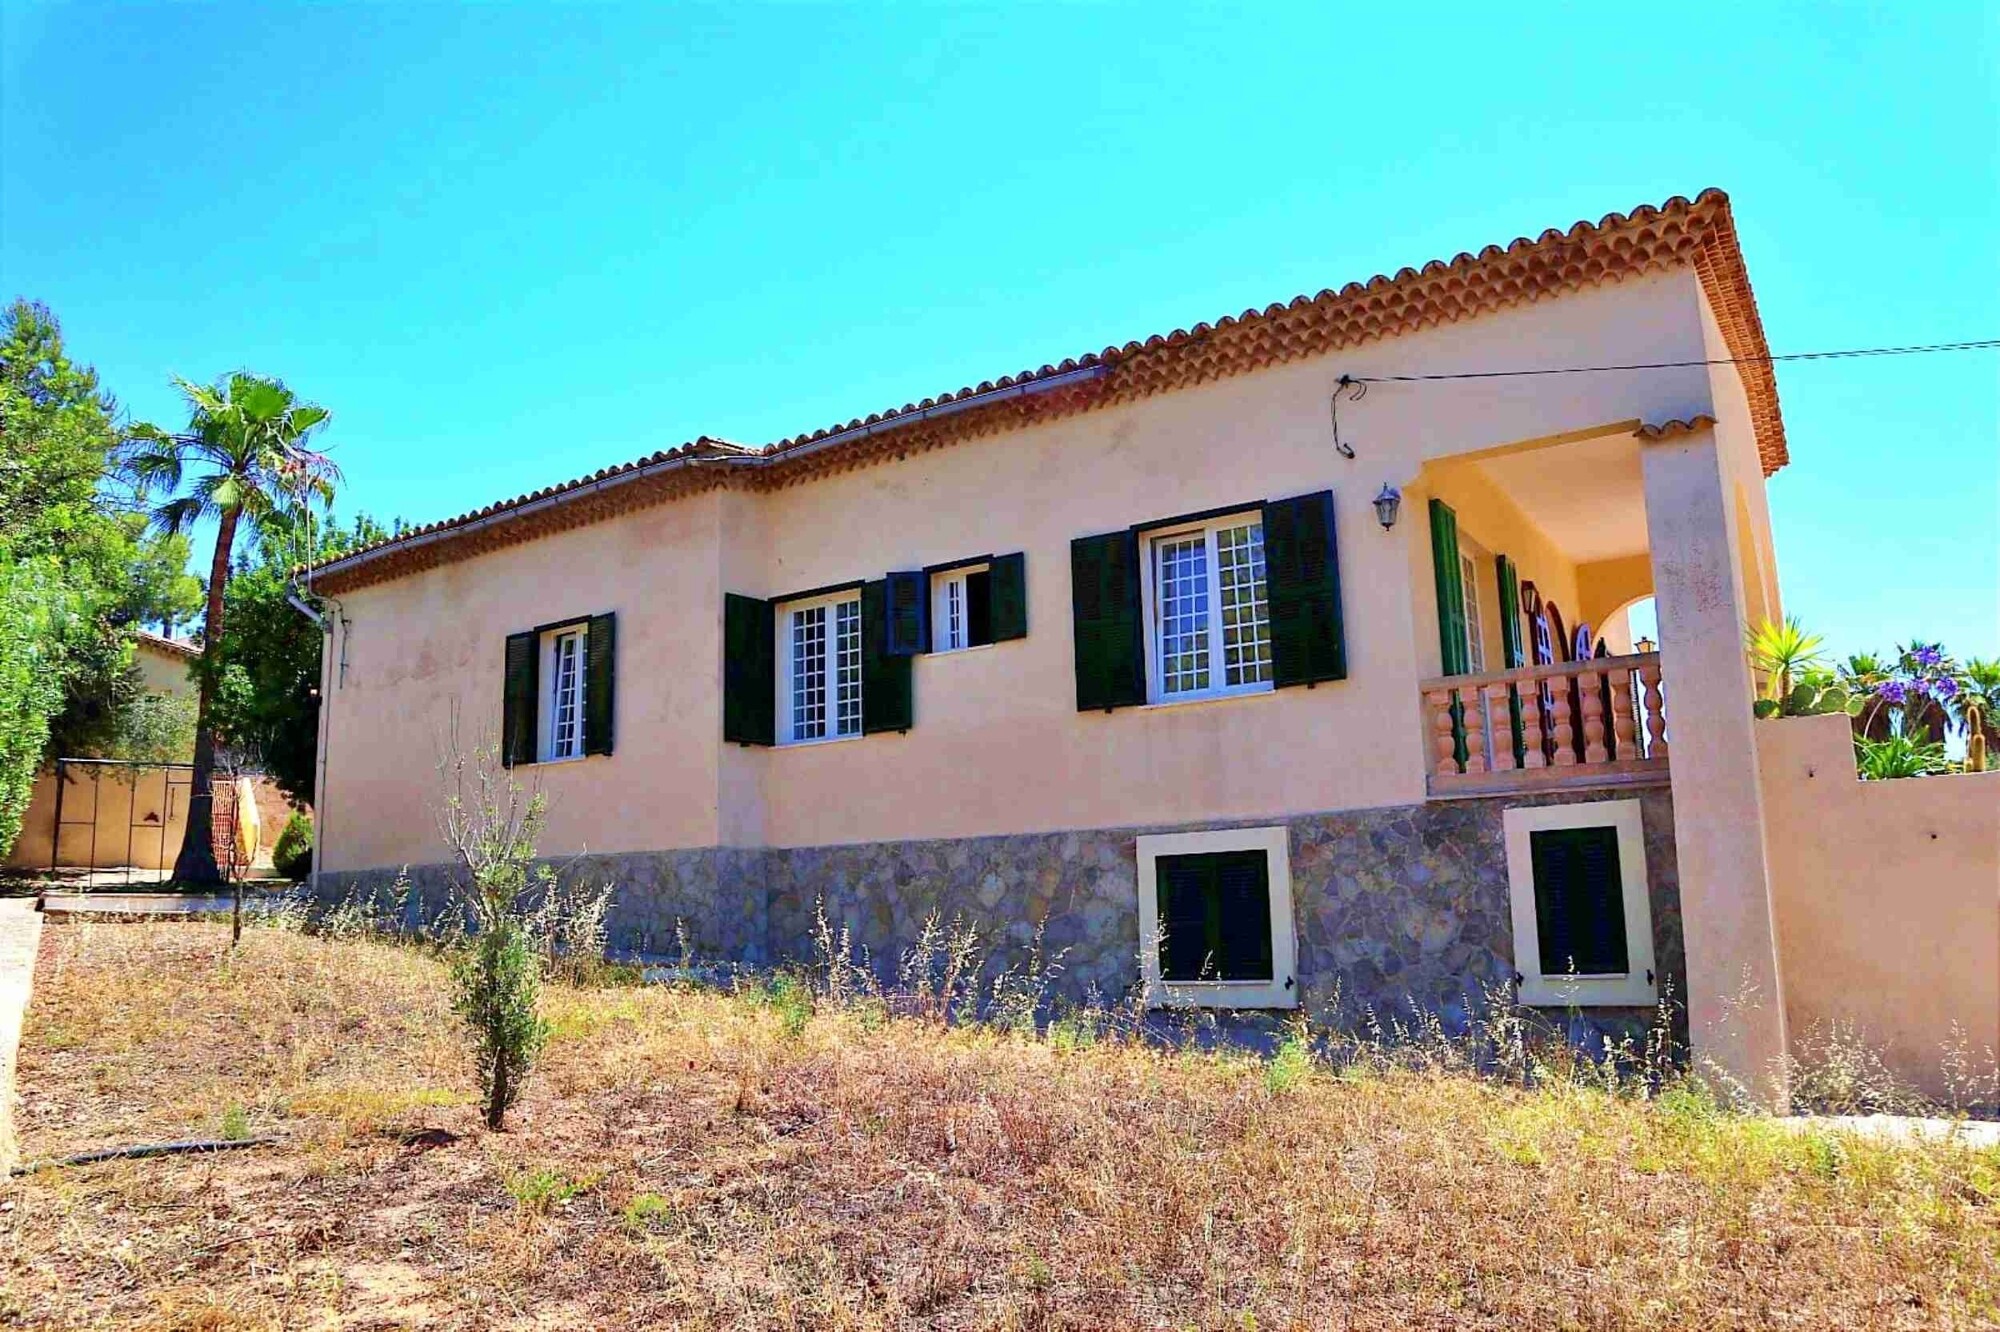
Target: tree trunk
{"type": "Point", "coordinates": [496, 1103]}
{"type": "Point", "coordinates": [196, 861]}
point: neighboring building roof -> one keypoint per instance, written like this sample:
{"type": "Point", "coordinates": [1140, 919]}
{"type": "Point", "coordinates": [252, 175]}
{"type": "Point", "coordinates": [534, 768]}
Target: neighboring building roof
{"type": "Point", "coordinates": [1700, 235]}
{"type": "Point", "coordinates": [173, 647]}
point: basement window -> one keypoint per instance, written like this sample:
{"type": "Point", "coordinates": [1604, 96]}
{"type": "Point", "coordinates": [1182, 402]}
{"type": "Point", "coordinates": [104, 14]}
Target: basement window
{"type": "Point", "coordinates": [1215, 919]}
{"type": "Point", "coordinates": [1583, 918]}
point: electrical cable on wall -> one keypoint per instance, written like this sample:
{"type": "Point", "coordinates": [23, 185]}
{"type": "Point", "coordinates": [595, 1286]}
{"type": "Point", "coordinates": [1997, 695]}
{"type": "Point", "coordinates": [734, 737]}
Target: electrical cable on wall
{"type": "Point", "coordinates": [1976, 344]}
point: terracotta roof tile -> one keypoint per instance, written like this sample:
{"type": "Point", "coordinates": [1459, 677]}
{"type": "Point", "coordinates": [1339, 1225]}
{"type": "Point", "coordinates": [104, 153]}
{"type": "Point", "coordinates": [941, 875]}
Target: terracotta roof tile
{"type": "Point", "coordinates": [1700, 234]}
{"type": "Point", "coordinates": [1676, 428]}
{"type": "Point", "coordinates": [175, 646]}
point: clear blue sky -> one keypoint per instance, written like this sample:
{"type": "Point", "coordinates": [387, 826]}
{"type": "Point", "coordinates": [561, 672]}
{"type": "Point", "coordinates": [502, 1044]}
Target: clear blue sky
{"type": "Point", "coordinates": [509, 245]}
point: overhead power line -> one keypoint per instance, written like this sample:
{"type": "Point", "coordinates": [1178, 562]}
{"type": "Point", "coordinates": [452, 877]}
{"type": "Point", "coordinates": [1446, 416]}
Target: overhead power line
{"type": "Point", "coordinates": [1978, 344]}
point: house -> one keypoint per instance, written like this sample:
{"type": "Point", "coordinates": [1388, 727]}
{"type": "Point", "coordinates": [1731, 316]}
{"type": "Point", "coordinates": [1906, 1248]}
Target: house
{"type": "Point", "coordinates": [1263, 662]}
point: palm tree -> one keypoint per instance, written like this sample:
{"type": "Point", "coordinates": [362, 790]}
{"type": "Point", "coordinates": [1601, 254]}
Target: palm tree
{"type": "Point", "coordinates": [247, 436]}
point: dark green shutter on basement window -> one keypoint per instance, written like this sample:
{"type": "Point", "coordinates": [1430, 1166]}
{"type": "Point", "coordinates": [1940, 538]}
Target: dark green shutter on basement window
{"type": "Point", "coordinates": [600, 682]}
{"type": "Point", "coordinates": [1215, 916]}
{"type": "Point", "coordinates": [886, 702]}
{"type": "Point", "coordinates": [1010, 596]}
{"type": "Point", "coordinates": [909, 613]}
{"type": "Point", "coordinates": [1104, 601]}
{"type": "Point", "coordinates": [1450, 590]}
{"type": "Point", "coordinates": [1302, 576]}
{"type": "Point", "coordinates": [749, 671]}
{"type": "Point", "coordinates": [1579, 902]}
{"type": "Point", "coordinates": [518, 712]}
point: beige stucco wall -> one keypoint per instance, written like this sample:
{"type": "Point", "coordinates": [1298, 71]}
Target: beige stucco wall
{"type": "Point", "coordinates": [998, 745]}
{"type": "Point", "coordinates": [422, 651]}
{"type": "Point", "coordinates": [1887, 895]}
{"type": "Point", "coordinates": [164, 671]}
{"type": "Point", "coordinates": [1489, 524]}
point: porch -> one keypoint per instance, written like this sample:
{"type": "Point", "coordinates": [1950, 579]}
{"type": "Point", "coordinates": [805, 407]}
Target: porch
{"type": "Point", "coordinates": [1538, 556]}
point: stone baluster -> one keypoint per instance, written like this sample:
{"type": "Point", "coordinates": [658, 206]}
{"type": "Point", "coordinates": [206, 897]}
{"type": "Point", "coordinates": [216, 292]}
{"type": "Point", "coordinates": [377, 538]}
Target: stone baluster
{"type": "Point", "coordinates": [1500, 724]}
{"type": "Point", "coordinates": [1443, 742]}
{"type": "Point", "coordinates": [1560, 730]}
{"type": "Point", "coordinates": [1589, 685]}
{"type": "Point", "coordinates": [1622, 724]}
{"type": "Point", "coordinates": [1656, 711]}
{"type": "Point", "coordinates": [1531, 726]}
{"type": "Point", "coordinates": [1473, 718]}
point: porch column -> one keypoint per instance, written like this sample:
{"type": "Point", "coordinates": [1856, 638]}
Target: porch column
{"type": "Point", "coordinates": [1736, 1011]}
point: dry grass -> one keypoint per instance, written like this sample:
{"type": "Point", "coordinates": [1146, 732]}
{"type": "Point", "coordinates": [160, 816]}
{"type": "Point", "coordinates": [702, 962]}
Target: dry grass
{"type": "Point", "coordinates": [708, 1160]}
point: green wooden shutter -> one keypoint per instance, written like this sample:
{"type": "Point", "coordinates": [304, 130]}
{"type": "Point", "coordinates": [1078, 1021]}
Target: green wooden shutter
{"type": "Point", "coordinates": [1450, 590]}
{"type": "Point", "coordinates": [518, 711]}
{"type": "Point", "coordinates": [909, 621]}
{"type": "Point", "coordinates": [1579, 902]}
{"type": "Point", "coordinates": [1110, 636]}
{"type": "Point", "coordinates": [600, 682]}
{"type": "Point", "coordinates": [749, 671]}
{"type": "Point", "coordinates": [1513, 651]}
{"type": "Point", "coordinates": [1511, 648]}
{"type": "Point", "coordinates": [1010, 596]}
{"type": "Point", "coordinates": [1215, 916]}
{"type": "Point", "coordinates": [1302, 577]}
{"type": "Point", "coordinates": [886, 702]}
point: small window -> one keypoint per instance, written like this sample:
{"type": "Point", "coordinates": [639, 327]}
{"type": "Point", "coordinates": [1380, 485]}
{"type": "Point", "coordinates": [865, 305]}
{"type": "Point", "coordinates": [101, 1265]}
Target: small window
{"type": "Point", "coordinates": [1583, 920]}
{"type": "Point", "coordinates": [1215, 918]}
{"type": "Point", "coordinates": [1208, 611]}
{"type": "Point", "coordinates": [961, 608]}
{"type": "Point", "coordinates": [1475, 628]}
{"type": "Point", "coordinates": [819, 692]}
{"type": "Point", "coordinates": [561, 730]}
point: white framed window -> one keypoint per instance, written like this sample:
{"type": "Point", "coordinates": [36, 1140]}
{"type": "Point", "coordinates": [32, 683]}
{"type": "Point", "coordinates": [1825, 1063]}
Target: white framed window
{"type": "Point", "coordinates": [1208, 613]}
{"type": "Point", "coordinates": [1215, 919]}
{"type": "Point", "coordinates": [560, 730]}
{"type": "Point", "coordinates": [1583, 916]}
{"type": "Point", "coordinates": [819, 681]}
{"type": "Point", "coordinates": [961, 608]}
{"type": "Point", "coordinates": [1475, 628]}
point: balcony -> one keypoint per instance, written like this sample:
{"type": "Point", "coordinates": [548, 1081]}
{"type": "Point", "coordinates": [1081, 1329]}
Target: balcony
{"type": "Point", "coordinates": [1595, 723]}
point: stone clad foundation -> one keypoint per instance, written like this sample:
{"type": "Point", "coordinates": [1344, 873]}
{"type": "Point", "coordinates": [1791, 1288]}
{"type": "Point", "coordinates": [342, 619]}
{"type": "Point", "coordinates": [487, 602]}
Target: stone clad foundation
{"type": "Point", "coordinates": [1400, 911]}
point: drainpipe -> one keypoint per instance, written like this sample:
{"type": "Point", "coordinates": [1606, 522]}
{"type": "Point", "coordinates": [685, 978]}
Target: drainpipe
{"type": "Point", "coordinates": [327, 625]}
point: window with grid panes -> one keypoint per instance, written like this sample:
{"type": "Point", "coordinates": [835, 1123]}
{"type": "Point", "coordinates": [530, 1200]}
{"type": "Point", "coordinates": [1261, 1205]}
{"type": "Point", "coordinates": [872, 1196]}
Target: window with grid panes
{"type": "Point", "coordinates": [1210, 622]}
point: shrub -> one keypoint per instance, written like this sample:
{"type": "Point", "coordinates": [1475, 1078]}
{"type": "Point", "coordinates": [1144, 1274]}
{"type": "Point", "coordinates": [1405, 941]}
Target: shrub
{"type": "Point", "coordinates": [1898, 756]}
{"type": "Point", "coordinates": [492, 826]}
{"type": "Point", "coordinates": [292, 857]}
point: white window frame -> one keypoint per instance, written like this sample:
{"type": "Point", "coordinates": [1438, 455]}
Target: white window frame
{"type": "Point", "coordinates": [787, 720]}
{"type": "Point", "coordinates": [1634, 988]}
{"type": "Point", "coordinates": [945, 584]}
{"type": "Point", "coordinates": [546, 747]}
{"type": "Point", "coordinates": [1282, 990]}
{"type": "Point", "coordinates": [1150, 541]}
{"type": "Point", "coordinates": [1475, 623]}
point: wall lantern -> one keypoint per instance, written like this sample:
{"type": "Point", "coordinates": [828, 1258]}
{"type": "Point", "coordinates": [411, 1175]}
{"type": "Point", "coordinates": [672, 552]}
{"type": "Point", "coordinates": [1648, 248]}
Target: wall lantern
{"type": "Point", "coordinates": [1645, 645]}
{"type": "Point", "coordinates": [1387, 505]}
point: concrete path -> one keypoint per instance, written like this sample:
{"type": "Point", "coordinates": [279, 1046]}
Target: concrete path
{"type": "Point", "coordinates": [20, 936]}
{"type": "Point", "coordinates": [138, 906]}
{"type": "Point", "coordinates": [1976, 1133]}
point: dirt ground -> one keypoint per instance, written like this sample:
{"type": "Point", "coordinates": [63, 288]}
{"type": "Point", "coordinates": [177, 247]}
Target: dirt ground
{"type": "Point", "coordinates": [706, 1160]}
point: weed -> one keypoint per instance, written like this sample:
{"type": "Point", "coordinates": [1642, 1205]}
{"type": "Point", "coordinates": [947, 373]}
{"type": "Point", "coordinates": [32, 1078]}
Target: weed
{"type": "Point", "coordinates": [790, 998]}
{"type": "Point", "coordinates": [543, 1190]}
{"type": "Point", "coordinates": [645, 1212]}
{"type": "Point", "coordinates": [1291, 1064]}
{"type": "Point", "coordinates": [235, 1124]}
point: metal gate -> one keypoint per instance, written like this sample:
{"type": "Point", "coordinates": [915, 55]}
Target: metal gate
{"type": "Point", "coordinates": [116, 814]}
